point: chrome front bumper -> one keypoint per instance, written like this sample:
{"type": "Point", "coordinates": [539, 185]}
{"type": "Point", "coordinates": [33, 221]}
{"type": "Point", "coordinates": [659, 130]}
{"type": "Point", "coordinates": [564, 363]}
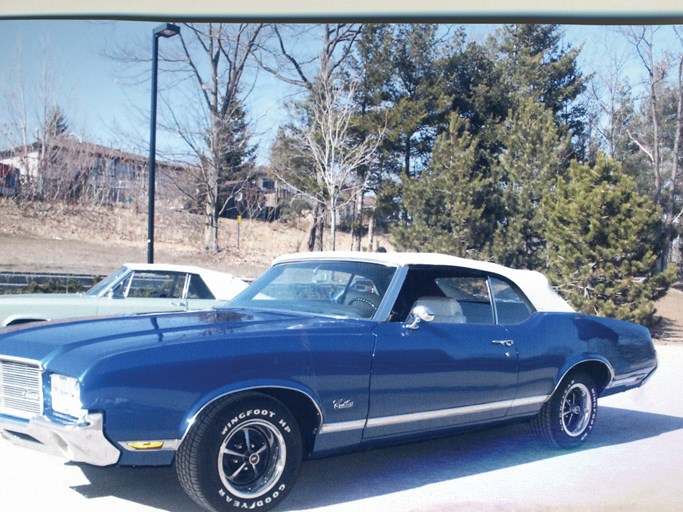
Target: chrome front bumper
{"type": "Point", "coordinates": [84, 442]}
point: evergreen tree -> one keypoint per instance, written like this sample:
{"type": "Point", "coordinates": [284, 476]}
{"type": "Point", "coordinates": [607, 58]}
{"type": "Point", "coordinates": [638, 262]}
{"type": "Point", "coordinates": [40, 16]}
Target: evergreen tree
{"type": "Point", "coordinates": [56, 124]}
{"type": "Point", "coordinates": [474, 84]}
{"type": "Point", "coordinates": [536, 64]}
{"type": "Point", "coordinates": [417, 95]}
{"type": "Point", "coordinates": [603, 243]}
{"type": "Point", "coordinates": [439, 205]}
{"type": "Point", "coordinates": [296, 169]}
{"type": "Point", "coordinates": [237, 156]}
{"type": "Point", "coordinates": [371, 63]}
{"type": "Point", "coordinates": [526, 169]}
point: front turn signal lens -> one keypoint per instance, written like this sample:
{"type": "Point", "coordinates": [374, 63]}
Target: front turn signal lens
{"type": "Point", "coordinates": [146, 445]}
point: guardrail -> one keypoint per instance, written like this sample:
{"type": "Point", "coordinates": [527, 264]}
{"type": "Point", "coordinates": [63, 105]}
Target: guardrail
{"type": "Point", "coordinates": [17, 282]}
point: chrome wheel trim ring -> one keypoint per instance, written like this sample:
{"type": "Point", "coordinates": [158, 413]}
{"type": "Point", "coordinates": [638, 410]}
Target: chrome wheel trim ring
{"type": "Point", "coordinates": [251, 459]}
{"type": "Point", "coordinates": [577, 407]}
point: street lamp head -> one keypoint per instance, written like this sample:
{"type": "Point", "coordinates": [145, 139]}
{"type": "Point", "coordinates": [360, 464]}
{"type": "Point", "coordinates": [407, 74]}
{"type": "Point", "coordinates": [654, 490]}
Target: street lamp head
{"type": "Point", "coordinates": [166, 30]}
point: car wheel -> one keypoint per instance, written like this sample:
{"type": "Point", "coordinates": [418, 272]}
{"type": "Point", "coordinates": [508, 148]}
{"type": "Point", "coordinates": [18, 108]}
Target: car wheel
{"type": "Point", "coordinates": [567, 419]}
{"type": "Point", "coordinates": [243, 452]}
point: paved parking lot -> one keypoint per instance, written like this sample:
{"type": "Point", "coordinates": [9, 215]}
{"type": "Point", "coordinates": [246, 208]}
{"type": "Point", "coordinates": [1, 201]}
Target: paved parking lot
{"type": "Point", "coordinates": [632, 462]}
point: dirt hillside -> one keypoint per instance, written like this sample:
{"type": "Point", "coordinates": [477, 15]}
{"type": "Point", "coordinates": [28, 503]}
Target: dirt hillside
{"type": "Point", "coordinates": [55, 238]}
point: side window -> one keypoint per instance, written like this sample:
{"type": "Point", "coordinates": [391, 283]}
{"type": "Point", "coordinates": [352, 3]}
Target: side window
{"type": "Point", "coordinates": [453, 295]}
{"type": "Point", "coordinates": [157, 285]}
{"type": "Point", "coordinates": [511, 306]}
{"type": "Point", "coordinates": [472, 293]}
{"type": "Point", "coordinates": [197, 288]}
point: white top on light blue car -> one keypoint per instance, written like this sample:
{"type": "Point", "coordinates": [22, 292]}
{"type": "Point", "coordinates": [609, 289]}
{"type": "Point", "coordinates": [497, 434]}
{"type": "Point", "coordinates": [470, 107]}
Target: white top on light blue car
{"type": "Point", "coordinates": [133, 288]}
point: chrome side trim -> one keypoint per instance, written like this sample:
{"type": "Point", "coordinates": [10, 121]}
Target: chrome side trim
{"type": "Point", "coordinates": [635, 379]}
{"type": "Point", "coordinates": [346, 426]}
{"type": "Point", "coordinates": [530, 400]}
{"type": "Point", "coordinates": [438, 414]}
{"type": "Point", "coordinates": [342, 426]}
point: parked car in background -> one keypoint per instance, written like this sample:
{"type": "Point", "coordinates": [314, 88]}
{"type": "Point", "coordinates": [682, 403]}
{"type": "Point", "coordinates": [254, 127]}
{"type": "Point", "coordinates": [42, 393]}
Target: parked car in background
{"type": "Point", "coordinates": [324, 353]}
{"type": "Point", "coordinates": [133, 288]}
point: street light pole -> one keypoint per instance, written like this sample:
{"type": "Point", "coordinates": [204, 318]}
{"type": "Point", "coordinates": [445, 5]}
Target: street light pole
{"type": "Point", "coordinates": [164, 30]}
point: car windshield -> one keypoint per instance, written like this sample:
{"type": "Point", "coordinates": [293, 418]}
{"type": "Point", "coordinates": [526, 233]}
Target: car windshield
{"type": "Point", "coordinates": [335, 288]}
{"type": "Point", "coordinates": [107, 282]}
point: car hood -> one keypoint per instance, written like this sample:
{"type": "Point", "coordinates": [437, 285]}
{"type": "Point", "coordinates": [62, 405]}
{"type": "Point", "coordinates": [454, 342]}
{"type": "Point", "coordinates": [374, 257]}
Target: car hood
{"type": "Point", "coordinates": [71, 346]}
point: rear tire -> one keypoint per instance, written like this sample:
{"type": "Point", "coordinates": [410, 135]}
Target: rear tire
{"type": "Point", "coordinates": [243, 452]}
{"type": "Point", "coordinates": [567, 419]}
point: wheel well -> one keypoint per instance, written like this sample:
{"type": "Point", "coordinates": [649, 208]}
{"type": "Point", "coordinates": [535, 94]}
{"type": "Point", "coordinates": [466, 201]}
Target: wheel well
{"type": "Point", "coordinates": [303, 409]}
{"type": "Point", "coordinates": [597, 370]}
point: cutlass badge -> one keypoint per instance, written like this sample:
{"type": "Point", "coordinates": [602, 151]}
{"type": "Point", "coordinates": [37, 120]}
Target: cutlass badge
{"type": "Point", "coordinates": [342, 403]}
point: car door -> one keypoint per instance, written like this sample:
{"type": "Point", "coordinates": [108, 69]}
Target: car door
{"type": "Point", "coordinates": [461, 368]}
{"type": "Point", "coordinates": [146, 291]}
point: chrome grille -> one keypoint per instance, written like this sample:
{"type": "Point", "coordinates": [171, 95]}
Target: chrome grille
{"type": "Point", "coordinates": [21, 389]}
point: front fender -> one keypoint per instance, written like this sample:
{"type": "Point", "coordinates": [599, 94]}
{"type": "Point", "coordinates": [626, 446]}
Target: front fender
{"type": "Point", "coordinates": [254, 386]}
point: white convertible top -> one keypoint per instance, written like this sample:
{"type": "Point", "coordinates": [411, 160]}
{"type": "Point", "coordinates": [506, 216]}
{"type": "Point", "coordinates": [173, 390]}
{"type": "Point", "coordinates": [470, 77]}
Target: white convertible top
{"type": "Point", "coordinates": [223, 285]}
{"type": "Point", "coordinates": [534, 284]}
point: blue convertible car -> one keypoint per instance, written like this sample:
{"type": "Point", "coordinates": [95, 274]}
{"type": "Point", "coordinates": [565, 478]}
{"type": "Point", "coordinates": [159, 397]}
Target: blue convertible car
{"type": "Point", "coordinates": [326, 352]}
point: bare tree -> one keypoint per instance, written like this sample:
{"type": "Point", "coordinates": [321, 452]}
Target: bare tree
{"type": "Point", "coordinates": [314, 73]}
{"type": "Point", "coordinates": [335, 152]}
{"type": "Point", "coordinates": [654, 142]}
{"type": "Point", "coordinates": [643, 41]}
{"type": "Point", "coordinates": [33, 123]}
{"type": "Point", "coordinates": [608, 92]}
{"type": "Point", "coordinates": [675, 188]}
{"type": "Point", "coordinates": [226, 50]}
{"type": "Point", "coordinates": [210, 68]}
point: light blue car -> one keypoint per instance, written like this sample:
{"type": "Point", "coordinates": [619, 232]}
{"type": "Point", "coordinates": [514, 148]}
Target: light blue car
{"type": "Point", "coordinates": [133, 288]}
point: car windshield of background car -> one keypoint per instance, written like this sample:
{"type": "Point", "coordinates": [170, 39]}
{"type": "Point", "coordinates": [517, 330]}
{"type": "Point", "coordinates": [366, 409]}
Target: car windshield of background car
{"type": "Point", "coordinates": [104, 285]}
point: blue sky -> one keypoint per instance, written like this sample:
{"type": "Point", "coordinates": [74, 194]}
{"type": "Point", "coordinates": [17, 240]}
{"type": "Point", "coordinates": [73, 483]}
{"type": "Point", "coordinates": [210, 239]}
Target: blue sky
{"type": "Point", "coordinates": [88, 83]}
{"type": "Point", "coordinates": [97, 102]}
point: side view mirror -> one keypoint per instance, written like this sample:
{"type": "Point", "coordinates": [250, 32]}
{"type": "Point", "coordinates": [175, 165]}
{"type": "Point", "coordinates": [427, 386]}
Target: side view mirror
{"type": "Point", "coordinates": [420, 314]}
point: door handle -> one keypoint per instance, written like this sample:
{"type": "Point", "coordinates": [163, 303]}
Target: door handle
{"type": "Point", "coordinates": [507, 343]}
{"type": "Point", "coordinates": [179, 303]}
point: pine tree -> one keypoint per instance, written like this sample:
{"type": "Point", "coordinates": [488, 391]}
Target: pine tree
{"type": "Point", "coordinates": [371, 63]}
{"type": "Point", "coordinates": [525, 170]}
{"type": "Point", "coordinates": [417, 95]}
{"type": "Point", "coordinates": [602, 243]}
{"type": "Point", "coordinates": [238, 155]}
{"type": "Point", "coordinates": [56, 124]}
{"type": "Point", "coordinates": [440, 207]}
{"type": "Point", "coordinates": [536, 64]}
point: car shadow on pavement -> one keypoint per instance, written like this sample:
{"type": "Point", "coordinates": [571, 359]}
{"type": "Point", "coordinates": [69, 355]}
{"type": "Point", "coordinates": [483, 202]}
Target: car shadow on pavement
{"type": "Point", "coordinates": [329, 481]}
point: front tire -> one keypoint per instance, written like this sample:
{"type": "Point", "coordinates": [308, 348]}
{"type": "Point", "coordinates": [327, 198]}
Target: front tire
{"type": "Point", "coordinates": [241, 452]}
{"type": "Point", "coordinates": [567, 419]}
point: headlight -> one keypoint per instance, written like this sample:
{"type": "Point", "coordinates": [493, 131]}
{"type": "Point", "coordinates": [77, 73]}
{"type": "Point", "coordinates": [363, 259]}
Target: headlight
{"type": "Point", "coordinates": [66, 396]}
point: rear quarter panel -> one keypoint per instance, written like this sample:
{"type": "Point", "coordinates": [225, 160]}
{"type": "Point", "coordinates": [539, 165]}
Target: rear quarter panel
{"type": "Point", "coordinates": [551, 344]}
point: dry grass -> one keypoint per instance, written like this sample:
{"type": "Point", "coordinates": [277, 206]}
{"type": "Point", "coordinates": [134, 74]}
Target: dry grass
{"type": "Point", "coordinates": [59, 238]}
